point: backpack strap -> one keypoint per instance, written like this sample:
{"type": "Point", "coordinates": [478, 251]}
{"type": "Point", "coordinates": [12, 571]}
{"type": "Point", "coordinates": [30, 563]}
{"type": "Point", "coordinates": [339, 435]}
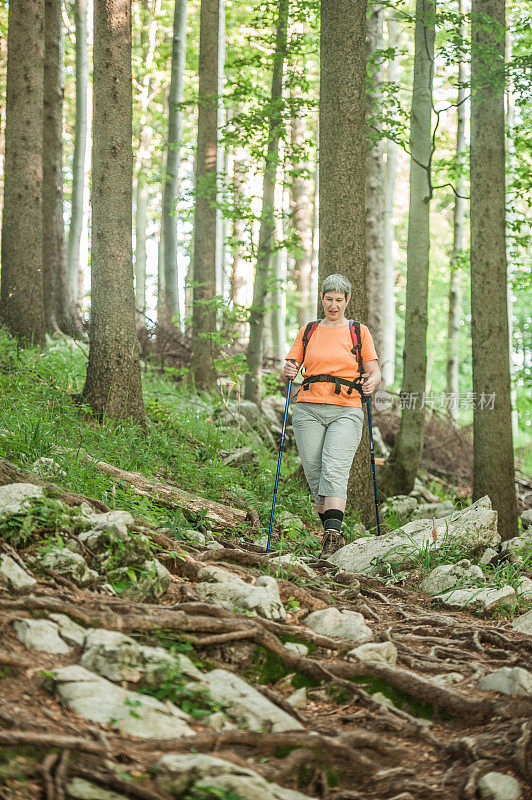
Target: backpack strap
{"type": "Point", "coordinates": [309, 330]}
{"type": "Point", "coordinates": [356, 337]}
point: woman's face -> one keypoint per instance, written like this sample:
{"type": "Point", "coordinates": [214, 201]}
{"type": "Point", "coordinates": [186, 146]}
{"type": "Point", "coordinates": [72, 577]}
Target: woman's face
{"type": "Point", "coordinates": [334, 305]}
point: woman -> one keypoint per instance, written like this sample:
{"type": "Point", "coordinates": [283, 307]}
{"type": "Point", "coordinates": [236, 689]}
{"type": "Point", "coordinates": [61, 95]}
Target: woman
{"type": "Point", "coordinates": [328, 417]}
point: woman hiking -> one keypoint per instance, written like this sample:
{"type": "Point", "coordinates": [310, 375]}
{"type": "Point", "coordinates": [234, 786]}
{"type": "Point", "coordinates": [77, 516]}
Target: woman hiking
{"type": "Point", "coordinates": [328, 416]}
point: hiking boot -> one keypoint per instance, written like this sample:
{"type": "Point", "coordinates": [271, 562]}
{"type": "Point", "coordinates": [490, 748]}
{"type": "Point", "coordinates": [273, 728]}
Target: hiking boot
{"type": "Point", "coordinates": [332, 541]}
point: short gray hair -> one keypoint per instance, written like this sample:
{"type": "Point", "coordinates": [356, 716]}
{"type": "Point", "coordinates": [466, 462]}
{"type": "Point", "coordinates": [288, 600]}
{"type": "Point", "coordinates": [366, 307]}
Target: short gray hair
{"type": "Point", "coordinates": [336, 283]}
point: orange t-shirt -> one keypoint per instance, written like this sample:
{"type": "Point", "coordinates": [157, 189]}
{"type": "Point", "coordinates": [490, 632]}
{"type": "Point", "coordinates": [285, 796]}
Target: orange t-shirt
{"type": "Point", "coordinates": [329, 353]}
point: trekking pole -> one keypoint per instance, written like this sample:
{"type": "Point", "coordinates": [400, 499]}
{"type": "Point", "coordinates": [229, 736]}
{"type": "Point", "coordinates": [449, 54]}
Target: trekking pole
{"type": "Point", "coordinates": [372, 454]}
{"type": "Point", "coordinates": [279, 461]}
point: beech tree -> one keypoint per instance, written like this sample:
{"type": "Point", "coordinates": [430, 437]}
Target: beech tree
{"type": "Point", "coordinates": [493, 467]}
{"type": "Point", "coordinates": [112, 386]}
{"type": "Point", "coordinates": [342, 158]}
{"type": "Point", "coordinates": [405, 457]}
{"type": "Point", "coordinates": [21, 296]}
{"type": "Point", "coordinates": [204, 272]}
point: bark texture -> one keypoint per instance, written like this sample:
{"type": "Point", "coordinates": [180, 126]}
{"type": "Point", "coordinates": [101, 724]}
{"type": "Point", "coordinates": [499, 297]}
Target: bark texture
{"type": "Point", "coordinates": [493, 467]}
{"type": "Point", "coordinates": [406, 455]}
{"type": "Point", "coordinates": [171, 180]}
{"type": "Point", "coordinates": [375, 177]}
{"type": "Point", "coordinates": [459, 211]}
{"type": "Point", "coordinates": [342, 157]}
{"type": "Point", "coordinates": [241, 284]}
{"type": "Point", "coordinates": [112, 386]}
{"type": "Point", "coordinates": [21, 303]}
{"type": "Point", "coordinates": [204, 312]}
{"type": "Point", "coordinates": [267, 222]}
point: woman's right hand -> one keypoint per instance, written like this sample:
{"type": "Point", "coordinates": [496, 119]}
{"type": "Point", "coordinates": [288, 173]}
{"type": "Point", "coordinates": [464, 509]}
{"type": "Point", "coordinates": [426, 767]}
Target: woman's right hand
{"type": "Point", "coordinates": [290, 369]}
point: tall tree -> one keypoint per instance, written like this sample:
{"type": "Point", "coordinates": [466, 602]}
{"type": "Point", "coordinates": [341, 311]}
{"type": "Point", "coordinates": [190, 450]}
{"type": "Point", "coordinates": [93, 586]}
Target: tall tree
{"type": "Point", "coordinates": [21, 301]}
{"type": "Point", "coordinates": [241, 283]}
{"type": "Point", "coordinates": [81, 148]}
{"type": "Point", "coordinates": [405, 457]}
{"type": "Point", "coordinates": [376, 319]}
{"type": "Point", "coordinates": [204, 311]}
{"type": "Point", "coordinates": [387, 353]}
{"type": "Point", "coordinates": [267, 221]}
{"type": "Point", "coordinates": [342, 157]}
{"type": "Point", "coordinates": [112, 385]}
{"type": "Point", "coordinates": [221, 158]}
{"type": "Point", "coordinates": [171, 174]}
{"type": "Point", "coordinates": [58, 307]}
{"type": "Point", "coordinates": [493, 467]}
{"type": "Point", "coordinates": [148, 30]}
{"type": "Point", "coordinates": [459, 211]}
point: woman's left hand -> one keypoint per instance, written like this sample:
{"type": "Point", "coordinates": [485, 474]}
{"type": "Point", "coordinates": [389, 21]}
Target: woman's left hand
{"type": "Point", "coordinates": [369, 383]}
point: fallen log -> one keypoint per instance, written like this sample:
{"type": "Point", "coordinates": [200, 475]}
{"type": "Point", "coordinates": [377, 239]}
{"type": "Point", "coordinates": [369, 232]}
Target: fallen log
{"type": "Point", "coordinates": [169, 496]}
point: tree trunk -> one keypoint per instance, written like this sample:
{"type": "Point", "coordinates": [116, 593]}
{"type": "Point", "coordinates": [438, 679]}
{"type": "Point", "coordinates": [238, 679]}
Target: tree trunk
{"type": "Point", "coordinates": [460, 204]}
{"type": "Point", "coordinates": [342, 157]}
{"type": "Point", "coordinates": [376, 319]}
{"type": "Point", "coordinates": [493, 467]}
{"type": "Point", "coordinates": [171, 180]}
{"type": "Point", "coordinates": [21, 304]}
{"type": "Point", "coordinates": [58, 306]}
{"type": "Point", "coordinates": [142, 162]}
{"type": "Point", "coordinates": [3, 69]}
{"type": "Point", "coordinates": [220, 158]}
{"type": "Point", "coordinates": [112, 386]}
{"type": "Point", "coordinates": [314, 262]}
{"type": "Point", "coordinates": [204, 311]}
{"type": "Point", "coordinates": [404, 460]}
{"type": "Point", "coordinates": [387, 354]}
{"type": "Point", "coordinates": [81, 147]}
{"type": "Point", "coordinates": [267, 223]}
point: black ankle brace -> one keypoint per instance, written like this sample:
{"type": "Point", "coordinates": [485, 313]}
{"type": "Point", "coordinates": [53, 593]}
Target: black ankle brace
{"type": "Point", "coordinates": [321, 515]}
{"type": "Point", "coordinates": [332, 519]}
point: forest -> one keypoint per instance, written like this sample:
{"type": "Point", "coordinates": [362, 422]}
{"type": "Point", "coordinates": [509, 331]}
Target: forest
{"type": "Point", "coordinates": [178, 178]}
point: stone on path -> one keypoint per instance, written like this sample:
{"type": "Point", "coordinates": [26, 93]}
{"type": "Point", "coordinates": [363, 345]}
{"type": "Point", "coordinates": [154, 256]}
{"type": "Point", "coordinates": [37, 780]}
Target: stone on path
{"type": "Point", "coordinates": [245, 705]}
{"type": "Point", "coordinates": [179, 774]}
{"type": "Point", "coordinates": [71, 565]}
{"type": "Point", "coordinates": [447, 678]}
{"type": "Point", "coordinates": [80, 789]}
{"type": "Point", "coordinates": [289, 559]}
{"type": "Point", "coordinates": [297, 647]}
{"type": "Point", "coordinates": [478, 599]}
{"type": "Point", "coordinates": [298, 699]}
{"type": "Point", "coordinates": [524, 588]}
{"type": "Point", "coordinates": [40, 634]}
{"type": "Point", "coordinates": [382, 652]}
{"type": "Point", "coordinates": [523, 624]}
{"type": "Point", "coordinates": [507, 680]}
{"type": "Point", "coordinates": [131, 713]}
{"type": "Point", "coordinates": [400, 504]}
{"type": "Point", "coordinates": [13, 576]}
{"type": "Point", "coordinates": [449, 576]}
{"type": "Point", "coordinates": [433, 510]}
{"type": "Point", "coordinates": [231, 592]}
{"type": "Point", "coordinates": [70, 631]}
{"type": "Point", "coordinates": [345, 624]}
{"type": "Point", "coordinates": [526, 518]}
{"type": "Point", "coordinates": [497, 786]}
{"type": "Point", "coordinates": [14, 497]}
{"type": "Point", "coordinates": [243, 455]}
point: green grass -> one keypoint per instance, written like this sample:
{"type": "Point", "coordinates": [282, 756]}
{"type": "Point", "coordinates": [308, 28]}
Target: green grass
{"type": "Point", "coordinates": [181, 444]}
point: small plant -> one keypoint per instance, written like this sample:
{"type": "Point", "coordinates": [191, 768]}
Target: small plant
{"type": "Point", "coordinates": [292, 604]}
{"type": "Point", "coordinates": [193, 700]}
{"type": "Point", "coordinates": [40, 517]}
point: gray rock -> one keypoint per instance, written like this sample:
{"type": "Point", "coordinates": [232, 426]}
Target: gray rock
{"type": "Point", "coordinates": [152, 580]}
{"type": "Point", "coordinates": [14, 497]}
{"type": "Point", "coordinates": [449, 576]}
{"type": "Point", "coordinates": [71, 565]}
{"type": "Point", "coordinates": [13, 576]}
{"type": "Point", "coordinates": [245, 705]}
{"type": "Point", "coordinates": [116, 522]}
{"type": "Point", "coordinates": [298, 699]}
{"type": "Point", "coordinates": [433, 510]}
{"type": "Point", "coordinates": [380, 447]}
{"type": "Point", "coordinates": [507, 680]}
{"type": "Point", "coordinates": [478, 600]}
{"type": "Point", "coordinates": [80, 789]}
{"type": "Point", "coordinates": [475, 528]}
{"type": "Point", "coordinates": [243, 455]}
{"type": "Point", "coordinates": [134, 551]}
{"type": "Point", "coordinates": [192, 537]}
{"type": "Point", "coordinates": [518, 544]}
{"type": "Point", "coordinates": [289, 559]}
{"type": "Point", "coordinates": [99, 700]}
{"type": "Point", "coordinates": [120, 658]}
{"type": "Point", "coordinates": [524, 589]}
{"type": "Point", "coordinates": [526, 518]}
{"type": "Point", "coordinates": [69, 630]}
{"type": "Point", "coordinates": [447, 679]}
{"type": "Point", "coordinates": [400, 504]}
{"type": "Point", "coordinates": [346, 624]}
{"type": "Point", "coordinates": [382, 652]}
{"type": "Point", "coordinates": [497, 786]}
{"type": "Point", "coordinates": [289, 522]}
{"type": "Point", "coordinates": [40, 634]}
{"type": "Point", "coordinates": [523, 624]}
{"type": "Point", "coordinates": [179, 774]}
{"type": "Point", "coordinates": [297, 647]}
{"type": "Point", "coordinates": [48, 468]}
{"type": "Point", "coordinates": [487, 556]}
{"type": "Point", "coordinates": [230, 591]}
